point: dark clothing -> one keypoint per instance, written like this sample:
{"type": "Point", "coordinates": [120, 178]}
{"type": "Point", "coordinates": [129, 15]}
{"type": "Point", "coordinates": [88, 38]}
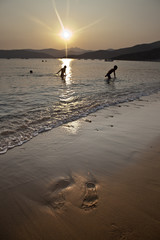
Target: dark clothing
{"type": "Point", "coordinates": [112, 70]}
{"type": "Point", "coordinates": [109, 73]}
{"type": "Point", "coordinates": [63, 72]}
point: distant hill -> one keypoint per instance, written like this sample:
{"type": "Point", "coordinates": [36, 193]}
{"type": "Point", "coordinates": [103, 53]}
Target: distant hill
{"type": "Point", "coordinates": [43, 53]}
{"type": "Point", "coordinates": [151, 55]}
{"type": "Point", "coordinates": [54, 53]}
{"type": "Point", "coordinates": [61, 53]}
{"type": "Point", "coordinates": [114, 54]}
{"type": "Point", "coordinates": [77, 51]}
{"type": "Point", "coordinates": [149, 51]}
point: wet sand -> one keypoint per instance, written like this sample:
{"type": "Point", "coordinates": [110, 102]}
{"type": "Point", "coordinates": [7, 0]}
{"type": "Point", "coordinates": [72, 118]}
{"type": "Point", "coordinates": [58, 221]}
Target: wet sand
{"type": "Point", "coordinates": [95, 178]}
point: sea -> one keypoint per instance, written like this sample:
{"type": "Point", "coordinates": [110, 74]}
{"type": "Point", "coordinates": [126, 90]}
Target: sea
{"type": "Point", "coordinates": [38, 101]}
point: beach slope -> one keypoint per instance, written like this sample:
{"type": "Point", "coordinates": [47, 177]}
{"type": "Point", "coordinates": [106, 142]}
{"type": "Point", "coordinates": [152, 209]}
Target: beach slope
{"type": "Point", "coordinates": [94, 178]}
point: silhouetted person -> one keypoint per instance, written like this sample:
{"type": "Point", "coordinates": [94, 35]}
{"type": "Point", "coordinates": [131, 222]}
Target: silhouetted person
{"type": "Point", "coordinates": [112, 70]}
{"type": "Point", "coordinates": [63, 72]}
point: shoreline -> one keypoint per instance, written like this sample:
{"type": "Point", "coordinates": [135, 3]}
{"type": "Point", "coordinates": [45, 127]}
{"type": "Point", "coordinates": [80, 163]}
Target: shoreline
{"type": "Point", "coordinates": [94, 178]}
{"type": "Point", "coordinates": [77, 119]}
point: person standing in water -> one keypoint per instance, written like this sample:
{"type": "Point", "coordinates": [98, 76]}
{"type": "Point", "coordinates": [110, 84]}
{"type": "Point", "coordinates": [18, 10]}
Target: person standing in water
{"type": "Point", "coordinates": [112, 70]}
{"type": "Point", "coordinates": [63, 72]}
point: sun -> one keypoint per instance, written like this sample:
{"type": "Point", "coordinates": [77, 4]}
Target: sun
{"type": "Point", "coordinates": [66, 34]}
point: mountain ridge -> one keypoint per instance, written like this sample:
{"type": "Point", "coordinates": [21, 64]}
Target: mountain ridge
{"type": "Point", "coordinates": [40, 53]}
{"type": "Point", "coordinates": [107, 54]}
{"type": "Point", "coordinates": [145, 51]}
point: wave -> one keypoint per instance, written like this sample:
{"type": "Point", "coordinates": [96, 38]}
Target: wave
{"type": "Point", "coordinates": [41, 120]}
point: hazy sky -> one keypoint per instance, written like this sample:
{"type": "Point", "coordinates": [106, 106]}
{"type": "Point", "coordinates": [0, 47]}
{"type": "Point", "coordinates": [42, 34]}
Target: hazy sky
{"type": "Point", "coordinates": [96, 24]}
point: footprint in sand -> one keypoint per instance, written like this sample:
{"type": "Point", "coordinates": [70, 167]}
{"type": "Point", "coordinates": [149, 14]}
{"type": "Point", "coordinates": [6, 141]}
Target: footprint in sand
{"type": "Point", "coordinates": [55, 198]}
{"type": "Point", "coordinates": [54, 201]}
{"type": "Point", "coordinates": [91, 198]}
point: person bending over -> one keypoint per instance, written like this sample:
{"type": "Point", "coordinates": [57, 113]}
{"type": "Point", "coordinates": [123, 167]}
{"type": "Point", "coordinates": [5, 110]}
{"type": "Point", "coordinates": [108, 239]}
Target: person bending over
{"type": "Point", "coordinates": [112, 70]}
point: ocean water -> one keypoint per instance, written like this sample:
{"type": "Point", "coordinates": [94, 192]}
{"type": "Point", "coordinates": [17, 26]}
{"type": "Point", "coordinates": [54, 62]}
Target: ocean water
{"type": "Point", "coordinates": [38, 102]}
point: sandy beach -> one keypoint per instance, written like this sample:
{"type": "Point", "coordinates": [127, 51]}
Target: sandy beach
{"type": "Point", "coordinates": [94, 178]}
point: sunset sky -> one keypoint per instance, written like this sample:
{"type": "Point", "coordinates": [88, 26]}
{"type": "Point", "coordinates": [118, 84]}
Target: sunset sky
{"type": "Point", "coordinates": [95, 24]}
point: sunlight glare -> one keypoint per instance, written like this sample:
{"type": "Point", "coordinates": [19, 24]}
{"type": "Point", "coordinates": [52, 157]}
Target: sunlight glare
{"type": "Point", "coordinates": [67, 62]}
{"type": "Point", "coordinates": [66, 34]}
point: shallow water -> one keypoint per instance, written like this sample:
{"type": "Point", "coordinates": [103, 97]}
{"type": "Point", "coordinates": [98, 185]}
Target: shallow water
{"type": "Point", "coordinates": [37, 102]}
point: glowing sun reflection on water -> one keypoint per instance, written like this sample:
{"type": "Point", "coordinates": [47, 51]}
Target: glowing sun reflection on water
{"type": "Point", "coordinates": [67, 62]}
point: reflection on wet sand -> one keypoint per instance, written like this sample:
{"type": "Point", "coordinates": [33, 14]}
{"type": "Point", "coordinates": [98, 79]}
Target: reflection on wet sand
{"type": "Point", "coordinates": [72, 127]}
